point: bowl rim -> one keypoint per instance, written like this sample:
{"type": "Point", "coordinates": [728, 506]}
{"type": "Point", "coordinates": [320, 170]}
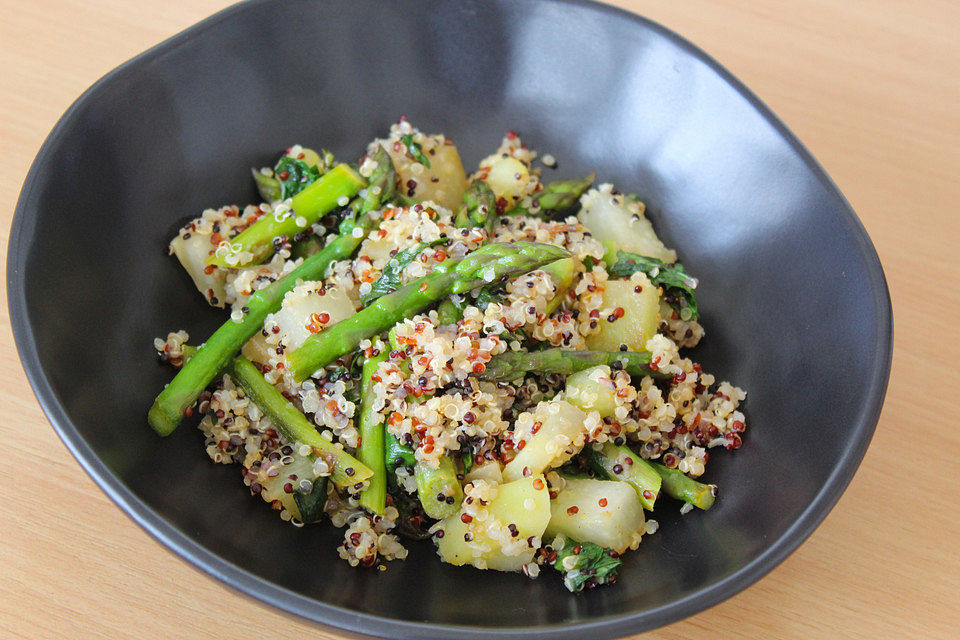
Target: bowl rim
{"type": "Point", "coordinates": [344, 619]}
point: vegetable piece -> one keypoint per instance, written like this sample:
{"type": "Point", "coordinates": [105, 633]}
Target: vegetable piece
{"type": "Point", "coordinates": [604, 512]}
{"type": "Point", "coordinates": [633, 316]}
{"type": "Point", "coordinates": [507, 178]}
{"type": "Point", "coordinates": [306, 248]}
{"type": "Point", "coordinates": [257, 349]}
{"type": "Point", "coordinates": [562, 272]}
{"type": "Point", "coordinates": [617, 221]}
{"type": "Point", "coordinates": [267, 186]}
{"type": "Point", "coordinates": [291, 174]}
{"type": "Point", "coordinates": [389, 280]}
{"type": "Point", "coordinates": [679, 485]}
{"type": "Point", "coordinates": [479, 208]}
{"type": "Point", "coordinates": [301, 316]}
{"type": "Point", "coordinates": [678, 285]}
{"type": "Point", "coordinates": [372, 449]}
{"type": "Point", "coordinates": [272, 489]}
{"type": "Point", "coordinates": [192, 252]}
{"type": "Point", "coordinates": [592, 389]}
{"type": "Point", "coordinates": [308, 206]}
{"type": "Point", "coordinates": [311, 504]}
{"type": "Point", "coordinates": [439, 490]}
{"type": "Point", "coordinates": [524, 503]}
{"type": "Point", "coordinates": [448, 312]}
{"type": "Point", "coordinates": [511, 365]}
{"type": "Point", "coordinates": [398, 454]}
{"type": "Point", "coordinates": [584, 564]}
{"type": "Point", "coordinates": [620, 463]}
{"type": "Point", "coordinates": [483, 469]}
{"type": "Point", "coordinates": [560, 435]}
{"type": "Point", "coordinates": [553, 198]}
{"type": "Point", "coordinates": [216, 353]}
{"type": "Point", "coordinates": [443, 182]}
{"type": "Point", "coordinates": [346, 471]}
{"type": "Point", "coordinates": [415, 150]}
{"type": "Point", "coordinates": [486, 264]}
{"type": "Point", "coordinates": [294, 176]}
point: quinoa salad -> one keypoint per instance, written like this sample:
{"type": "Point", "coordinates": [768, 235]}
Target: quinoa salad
{"type": "Point", "coordinates": [490, 363]}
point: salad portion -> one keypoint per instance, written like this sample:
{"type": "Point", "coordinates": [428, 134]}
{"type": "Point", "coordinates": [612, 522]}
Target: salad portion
{"type": "Point", "coordinates": [491, 362]}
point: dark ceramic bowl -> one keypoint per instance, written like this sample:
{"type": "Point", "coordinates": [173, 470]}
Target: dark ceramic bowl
{"type": "Point", "coordinates": [792, 293]}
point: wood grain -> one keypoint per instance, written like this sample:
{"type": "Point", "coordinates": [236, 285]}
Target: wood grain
{"type": "Point", "coordinates": [873, 90]}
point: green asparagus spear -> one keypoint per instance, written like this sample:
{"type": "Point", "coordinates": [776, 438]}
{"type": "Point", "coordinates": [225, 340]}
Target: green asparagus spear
{"type": "Point", "coordinates": [372, 450]}
{"type": "Point", "coordinates": [620, 463]}
{"type": "Point", "coordinates": [486, 264]}
{"type": "Point", "coordinates": [307, 247]}
{"type": "Point", "coordinates": [308, 206]}
{"type": "Point", "coordinates": [439, 490]}
{"type": "Point", "coordinates": [290, 422]}
{"type": "Point", "coordinates": [679, 485]}
{"type": "Point", "coordinates": [346, 470]}
{"type": "Point", "coordinates": [448, 312]}
{"type": "Point", "coordinates": [479, 206]}
{"type": "Point", "coordinates": [514, 364]}
{"type": "Point", "coordinates": [553, 198]}
{"type": "Point", "coordinates": [219, 349]}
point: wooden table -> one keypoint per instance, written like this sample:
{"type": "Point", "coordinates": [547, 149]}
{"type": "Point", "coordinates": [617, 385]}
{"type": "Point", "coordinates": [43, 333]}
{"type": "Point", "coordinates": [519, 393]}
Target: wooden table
{"type": "Point", "coordinates": [872, 88]}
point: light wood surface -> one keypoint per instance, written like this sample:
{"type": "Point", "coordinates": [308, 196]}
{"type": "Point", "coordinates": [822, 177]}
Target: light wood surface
{"type": "Point", "coordinates": [871, 87]}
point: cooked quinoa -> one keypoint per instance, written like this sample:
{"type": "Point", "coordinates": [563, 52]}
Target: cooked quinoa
{"type": "Point", "coordinates": [471, 418]}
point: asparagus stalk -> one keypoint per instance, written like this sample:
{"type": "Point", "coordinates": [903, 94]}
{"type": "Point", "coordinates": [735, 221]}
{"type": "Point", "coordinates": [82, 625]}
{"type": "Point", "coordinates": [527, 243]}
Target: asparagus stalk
{"type": "Point", "coordinates": [448, 312]}
{"type": "Point", "coordinates": [167, 410]}
{"type": "Point", "coordinates": [620, 463]}
{"type": "Point", "coordinates": [483, 266]}
{"type": "Point", "coordinates": [308, 206]}
{"type": "Point", "coordinates": [554, 197]}
{"type": "Point", "coordinates": [439, 490]}
{"type": "Point", "coordinates": [679, 485]}
{"type": "Point", "coordinates": [514, 364]}
{"type": "Point", "coordinates": [346, 470]}
{"type": "Point", "coordinates": [372, 450]}
{"type": "Point", "coordinates": [479, 206]}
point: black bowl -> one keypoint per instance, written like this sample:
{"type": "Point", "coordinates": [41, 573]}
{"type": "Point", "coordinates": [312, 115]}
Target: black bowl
{"type": "Point", "coordinates": [793, 295]}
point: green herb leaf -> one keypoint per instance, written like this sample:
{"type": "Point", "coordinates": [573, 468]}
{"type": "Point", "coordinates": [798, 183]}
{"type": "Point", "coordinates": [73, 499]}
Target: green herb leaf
{"type": "Point", "coordinates": [311, 504]}
{"type": "Point", "coordinates": [591, 565]}
{"type": "Point", "coordinates": [398, 454]}
{"type": "Point", "coordinates": [415, 150]}
{"type": "Point", "coordinates": [390, 278]}
{"type": "Point", "coordinates": [678, 285]}
{"type": "Point", "coordinates": [294, 176]}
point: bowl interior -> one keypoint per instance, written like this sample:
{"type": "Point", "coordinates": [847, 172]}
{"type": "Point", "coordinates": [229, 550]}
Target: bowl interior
{"type": "Point", "coordinates": [791, 292]}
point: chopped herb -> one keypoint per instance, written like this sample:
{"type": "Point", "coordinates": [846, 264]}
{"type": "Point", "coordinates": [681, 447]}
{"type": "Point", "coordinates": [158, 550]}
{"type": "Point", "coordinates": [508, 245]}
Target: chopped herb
{"type": "Point", "coordinates": [398, 454]}
{"type": "Point", "coordinates": [311, 504]}
{"type": "Point", "coordinates": [415, 150]}
{"type": "Point", "coordinates": [390, 278]}
{"type": "Point", "coordinates": [592, 565]}
{"type": "Point", "coordinates": [294, 176]}
{"type": "Point", "coordinates": [678, 285]}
